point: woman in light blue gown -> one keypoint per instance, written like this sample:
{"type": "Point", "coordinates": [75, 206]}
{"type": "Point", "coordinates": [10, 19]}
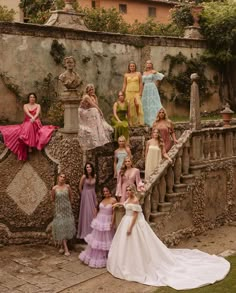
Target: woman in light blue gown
{"type": "Point", "coordinates": [150, 96]}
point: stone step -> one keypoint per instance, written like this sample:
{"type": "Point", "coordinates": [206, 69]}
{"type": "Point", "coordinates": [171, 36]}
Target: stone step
{"type": "Point", "coordinates": [180, 187]}
{"type": "Point", "coordinates": [187, 179]}
{"type": "Point", "coordinates": [164, 207]}
{"type": "Point", "coordinates": [175, 196]}
{"type": "Point", "coordinates": [157, 215]}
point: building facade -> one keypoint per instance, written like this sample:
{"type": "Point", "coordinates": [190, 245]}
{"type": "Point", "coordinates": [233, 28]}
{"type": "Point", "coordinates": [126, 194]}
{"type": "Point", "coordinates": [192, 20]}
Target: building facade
{"type": "Point", "coordinates": [135, 9]}
{"type": "Point", "coordinates": [13, 4]}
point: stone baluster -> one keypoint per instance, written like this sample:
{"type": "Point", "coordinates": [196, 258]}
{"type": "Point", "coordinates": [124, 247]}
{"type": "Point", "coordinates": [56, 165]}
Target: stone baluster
{"type": "Point", "coordinates": [206, 146]}
{"type": "Point", "coordinates": [218, 149]}
{"type": "Point", "coordinates": [212, 146]}
{"type": "Point", "coordinates": [170, 180]}
{"type": "Point", "coordinates": [162, 188]}
{"type": "Point", "coordinates": [178, 167]}
{"type": "Point", "coordinates": [147, 205]}
{"type": "Point", "coordinates": [221, 145]}
{"type": "Point", "coordinates": [228, 144]}
{"type": "Point", "coordinates": [234, 143]}
{"type": "Point", "coordinates": [196, 152]}
{"type": "Point", "coordinates": [155, 198]}
{"type": "Point", "coordinates": [186, 158]}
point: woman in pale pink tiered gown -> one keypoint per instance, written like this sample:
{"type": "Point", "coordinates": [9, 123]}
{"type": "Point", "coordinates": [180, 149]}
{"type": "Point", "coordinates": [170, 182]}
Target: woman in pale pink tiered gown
{"type": "Point", "coordinates": [30, 134]}
{"type": "Point", "coordinates": [99, 240]}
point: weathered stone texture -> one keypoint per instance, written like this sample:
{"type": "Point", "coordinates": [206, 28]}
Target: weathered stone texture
{"type": "Point", "coordinates": [101, 58]}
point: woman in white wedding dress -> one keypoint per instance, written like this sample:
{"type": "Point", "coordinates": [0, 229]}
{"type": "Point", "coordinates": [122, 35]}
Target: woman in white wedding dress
{"type": "Point", "coordinates": [136, 254]}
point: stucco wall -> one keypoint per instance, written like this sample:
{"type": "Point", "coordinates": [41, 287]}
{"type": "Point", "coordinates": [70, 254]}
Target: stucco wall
{"type": "Point", "coordinates": [101, 58]}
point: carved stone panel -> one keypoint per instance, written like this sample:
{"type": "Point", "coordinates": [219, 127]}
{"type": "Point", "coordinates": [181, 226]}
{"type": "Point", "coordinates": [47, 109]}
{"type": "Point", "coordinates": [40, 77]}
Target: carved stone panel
{"type": "Point", "coordinates": [215, 194]}
{"type": "Point", "coordinates": [27, 189]}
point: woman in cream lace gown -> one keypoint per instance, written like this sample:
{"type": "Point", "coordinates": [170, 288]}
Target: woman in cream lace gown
{"type": "Point", "coordinates": [136, 254]}
{"type": "Point", "coordinates": [94, 131]}
{"type": "Point", "coordinates": [155, 150]}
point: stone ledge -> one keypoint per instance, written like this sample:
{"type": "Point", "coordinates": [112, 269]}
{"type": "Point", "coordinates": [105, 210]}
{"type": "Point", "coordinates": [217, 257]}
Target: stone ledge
{"type": "Point", "coordinates": [36, 30]}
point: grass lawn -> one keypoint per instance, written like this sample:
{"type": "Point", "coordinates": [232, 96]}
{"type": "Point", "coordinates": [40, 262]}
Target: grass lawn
{"type": "Point", "coordinates": [228, 285]}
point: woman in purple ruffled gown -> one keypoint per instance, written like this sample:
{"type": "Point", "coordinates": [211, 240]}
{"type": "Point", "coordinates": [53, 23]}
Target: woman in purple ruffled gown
{"type": "Point", "coordinates": [99, 241]}
{"type": "Point", "coordinates": [88, 201]}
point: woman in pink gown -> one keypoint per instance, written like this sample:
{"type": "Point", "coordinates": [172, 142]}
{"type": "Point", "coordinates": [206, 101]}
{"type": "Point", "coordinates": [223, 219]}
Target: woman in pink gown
{"type": "Point", "coordinates": [128, 175]}
{"type": "Point", "coordinates": [30, 134]}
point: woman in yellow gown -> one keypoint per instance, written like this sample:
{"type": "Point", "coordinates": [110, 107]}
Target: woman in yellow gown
{"type": "Point", "coordinates": [133, 88]}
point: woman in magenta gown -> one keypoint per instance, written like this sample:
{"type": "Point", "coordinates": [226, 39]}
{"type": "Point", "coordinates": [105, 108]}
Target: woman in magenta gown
{"type": "Point", "coordinates": [20, 139]}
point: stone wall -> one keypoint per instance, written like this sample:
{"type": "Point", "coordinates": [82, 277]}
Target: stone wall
{"type": "Point", "coordinates": [101, 58]}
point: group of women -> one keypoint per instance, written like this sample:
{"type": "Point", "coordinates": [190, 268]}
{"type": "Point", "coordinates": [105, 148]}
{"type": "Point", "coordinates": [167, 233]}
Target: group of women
{"type": "Point", "coordinates": [131, 252]}
{"type": "Point", "coordinates": [137, 105]}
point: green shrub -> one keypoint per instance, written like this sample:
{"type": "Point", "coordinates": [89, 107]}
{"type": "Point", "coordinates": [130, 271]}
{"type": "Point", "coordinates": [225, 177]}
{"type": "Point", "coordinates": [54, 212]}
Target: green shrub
{"type": "Point", "coordinates": [6, 14]}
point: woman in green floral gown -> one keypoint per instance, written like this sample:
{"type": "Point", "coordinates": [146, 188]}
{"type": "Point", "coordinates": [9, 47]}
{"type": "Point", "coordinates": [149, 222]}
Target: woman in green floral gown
{"type": "Point", "coordinates": [119, 120]}
{"type": "Point", "coordinates": [63, 225]}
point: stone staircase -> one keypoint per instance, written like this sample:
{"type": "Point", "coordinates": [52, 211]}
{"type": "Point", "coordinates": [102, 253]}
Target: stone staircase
{"type": "Point", "coordinates": [169, 183]}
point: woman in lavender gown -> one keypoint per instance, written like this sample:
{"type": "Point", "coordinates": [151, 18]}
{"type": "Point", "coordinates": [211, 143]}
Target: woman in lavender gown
{"type": "Point", "coordinates": [99, 241]}
{"type": "Point", "coordinates": [88, 201]}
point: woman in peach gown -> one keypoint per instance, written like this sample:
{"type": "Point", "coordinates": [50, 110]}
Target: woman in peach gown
{"type": "Point", "coordinates": [166, 129]}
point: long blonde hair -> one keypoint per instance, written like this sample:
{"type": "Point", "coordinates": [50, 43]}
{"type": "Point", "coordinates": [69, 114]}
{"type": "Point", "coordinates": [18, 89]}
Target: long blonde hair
{"type": "Point", "coordinates": [123, 167]}
{"type": "Point", "coordinates": [165, 118]}
{"type": "Point", "coordinates": [133, 188]}
{"type": "Point", "coordinates": [159, 138]}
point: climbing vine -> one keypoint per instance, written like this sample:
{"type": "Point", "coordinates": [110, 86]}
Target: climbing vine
{"type": "Point", "coordinates": [14, 88]}
{"type": "Point", "coordinates": [181, 82]}
{"type": "Point", "coordinates": [57, 51]}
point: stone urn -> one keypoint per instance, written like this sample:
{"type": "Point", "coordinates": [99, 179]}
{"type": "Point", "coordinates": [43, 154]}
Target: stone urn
{"type": "Point", "coordinates": [227, 115]}
{"type": "Point", "coordinates": [196, 11]}
{"type": "Point", "coordinates": [68, 5]}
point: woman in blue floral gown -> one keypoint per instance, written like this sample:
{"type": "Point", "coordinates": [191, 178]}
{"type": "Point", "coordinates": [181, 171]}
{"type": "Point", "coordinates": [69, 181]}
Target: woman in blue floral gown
{"type": "Point", "coordinates": [150, 97]}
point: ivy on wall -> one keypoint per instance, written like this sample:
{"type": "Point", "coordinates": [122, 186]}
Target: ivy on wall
{"type": "Point", "coordinates": [181, 82]}
{"type": "Point", "coordinates": [14, 88]}
{"type": "Point", "coordinates": [58, 52]}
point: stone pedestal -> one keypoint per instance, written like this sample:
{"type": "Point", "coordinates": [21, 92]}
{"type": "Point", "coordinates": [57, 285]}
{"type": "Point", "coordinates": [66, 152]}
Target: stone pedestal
{"type": "Point", "coordinates": [67, 17]}
{"type": "Point", "coordinates": [192, 32]}
{"type": "Point", "coordinates": [71, 100]}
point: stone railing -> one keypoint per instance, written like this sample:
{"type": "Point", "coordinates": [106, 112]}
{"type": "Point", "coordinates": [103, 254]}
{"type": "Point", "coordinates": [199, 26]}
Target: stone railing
{"type": "Point", "coordinates": [212, 144]}
{"type": "Point", "coordinates": [191, 155]}
{"type": "Point", "coordinates": [164, 185]}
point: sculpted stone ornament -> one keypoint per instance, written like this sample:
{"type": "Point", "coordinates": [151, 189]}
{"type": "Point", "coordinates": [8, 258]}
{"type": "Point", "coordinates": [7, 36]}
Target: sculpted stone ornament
{"type": "Point", "coordinates": [70, 96]}
{"type": "Point", "coordinates": [70, 79]}
{"type": "Point", "coordinates": [67, 17]}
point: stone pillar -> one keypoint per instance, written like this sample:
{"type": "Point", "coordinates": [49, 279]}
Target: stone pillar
{"type": "Point", "coordinates": [70, 99]}
{"type": "Point", "coordinates": [195, 120]}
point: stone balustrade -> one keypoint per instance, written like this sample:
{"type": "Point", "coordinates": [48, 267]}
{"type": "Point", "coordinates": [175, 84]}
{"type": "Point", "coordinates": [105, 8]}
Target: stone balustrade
{"type": "Point", "coordinates": [168, 182]}
{"type": "Point", "coordinates": [191, 155]}
{"type": "Point", "coordinates": [213, 144]}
